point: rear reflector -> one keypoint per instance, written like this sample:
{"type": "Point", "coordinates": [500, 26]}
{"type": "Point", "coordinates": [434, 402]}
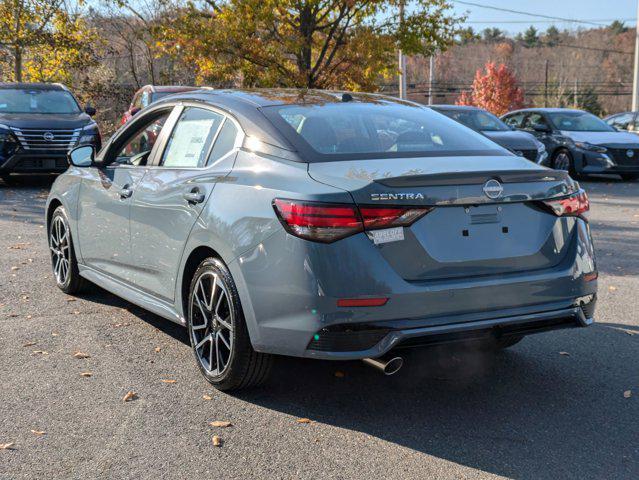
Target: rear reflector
{"type": "Point", "coordinates": [361, 302]}
{"type": "Point", "coordinates": [573, 205]}
{"type": "Point", "coordinates": [327, 222]}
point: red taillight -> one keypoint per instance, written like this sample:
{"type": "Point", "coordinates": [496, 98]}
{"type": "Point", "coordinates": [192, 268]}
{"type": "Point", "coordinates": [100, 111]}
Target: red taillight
{"type": "Point", "coordinates": [327, 222]}
{"type": "Point", "coordinates": [573, 205]}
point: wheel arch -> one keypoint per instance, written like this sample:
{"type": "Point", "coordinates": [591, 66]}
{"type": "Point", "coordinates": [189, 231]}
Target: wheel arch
{"type": "Point", "coordinates": [195, 257]}
{"type": "Point", "coordinates": [51, 207]}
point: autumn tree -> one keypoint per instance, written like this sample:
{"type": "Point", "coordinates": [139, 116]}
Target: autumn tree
{"type": "Point", "coordinates": [496, 90]}
{"type": "Point", "coordinates": [305, 43]}
{"type": "Point", "coordinates": [41, 37]}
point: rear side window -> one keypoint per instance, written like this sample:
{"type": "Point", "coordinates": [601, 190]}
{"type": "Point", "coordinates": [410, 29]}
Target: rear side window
{"type": "Point", "coordinates": [192, 138]}
{"type": "Point", "coordinates": [622, 121]}
{"type": "Point", "coordinates": [224, 142]}
{"type": "Point", "coordinates": [384, 129]}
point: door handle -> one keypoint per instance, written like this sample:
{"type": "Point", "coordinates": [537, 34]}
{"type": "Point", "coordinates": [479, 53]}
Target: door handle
{"type": "Point", "coordinates": [194, 196]}
{"type": "Point", "coordinates": [126, 192]}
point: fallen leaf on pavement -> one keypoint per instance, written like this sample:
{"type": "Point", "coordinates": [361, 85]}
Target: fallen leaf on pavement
{"type": "Point", "coordinates": [157, 349]}
{"type": "Point", "coordinates": [81, 355]}
{"type": "Point", "coordinates": [54, 334]}
{"type": "Point", "coordinates": [221, 424]}
{"type": "Point", "coordinates": [29, 344]}
{"type": "Point", "coordinates": [39, 432]}
{"type": "Point", "coordinates": [304, 420]}
{"type": "Point", "coordinates": [130, 396]}
{"type": "Point", "coordinates": [564, 353]}
{"type": "Point", "coordinates": [168, 380]}
{"type": "Point", "coordinates": [40, 352]}
{"type": "Point", "coordinates": [627, 394]}
{"type": "Point", "coordinates": [207, 397]}
{"type": "Point", "coordinates": [85, 374]}
{"type": "Point", "coordinates": [15, 268]}
{"type": "Point", "coordinates": [339, 374]}
{"type": "Point", "coordinates": [6, 446]}
{"type": "Point", "coordinates": [217, 441]}
{"type": "Point", "coordinates": [71, 299]}
{"type": "Point", "coordinates": [612, 288]}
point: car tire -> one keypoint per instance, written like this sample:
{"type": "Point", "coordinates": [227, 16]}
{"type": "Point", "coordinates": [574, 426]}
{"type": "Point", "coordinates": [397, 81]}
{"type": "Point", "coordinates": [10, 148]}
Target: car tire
{"type": "Point", "coordinates": [218, 332]}
{"type": "Point", "coordinates": [562, 160]}
{"type": "Point", "coordinates": [63, 259]}
{"type": "Point", "coordinates": [630, 177]}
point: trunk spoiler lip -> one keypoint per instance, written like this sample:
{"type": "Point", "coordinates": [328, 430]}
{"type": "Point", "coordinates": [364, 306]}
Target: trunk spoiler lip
{"type": "Point", "coordinates": [478, 178]}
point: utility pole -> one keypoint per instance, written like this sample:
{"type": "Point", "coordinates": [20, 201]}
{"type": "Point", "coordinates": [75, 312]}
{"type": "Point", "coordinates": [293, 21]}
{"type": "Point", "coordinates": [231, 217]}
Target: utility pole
{"type": "Point", "coordinates": [431, 79]}
{"type": "Point", "coordinates": [402, 59]}
{"type": "Point", "coordinates": [635, 82]}
{"type": "Point", "coordinates": [546, 84]}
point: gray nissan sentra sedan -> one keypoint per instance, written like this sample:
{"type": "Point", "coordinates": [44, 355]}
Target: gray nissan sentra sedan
{"type": "Point", "coordinates": [324, 225]}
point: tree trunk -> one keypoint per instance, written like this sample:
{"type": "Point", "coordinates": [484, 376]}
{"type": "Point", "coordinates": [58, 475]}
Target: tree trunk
{"type": "Point", "coordinates": [17, 64]}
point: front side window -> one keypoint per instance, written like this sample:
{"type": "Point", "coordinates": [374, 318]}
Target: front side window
{"type": "Point", "coordinates": [515, 120]}
{"type": "Point", "coordinates": [24, 100]}
{"type": "Point", "coordinates": [534, 119]}
{"type": "Point", "coordinates": [137, 148]}
{"type": "Point", "coordinates": [354, 130]}
{"type": "Point", "coordinates": [621, 122]}
{"type": "Point", "coordinates": [191, 140]}
{"type": "Point", "coordinates": [572, 121]}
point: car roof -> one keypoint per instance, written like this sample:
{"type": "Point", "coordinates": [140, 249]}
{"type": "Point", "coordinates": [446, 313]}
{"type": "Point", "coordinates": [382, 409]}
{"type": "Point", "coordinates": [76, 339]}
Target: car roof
{"type": "Point", "coordinates": [267, 97]}
{"type": "Point", "coordinates": [33, 86]}
{"type": "Point", "coordinates": [546, 110]}
{"type": "Point", "coordinates": [457, 107]}
{"type": "Point", "coordinates": [169, 88]}
{"type": "Point", "coordinates": [245, 105]}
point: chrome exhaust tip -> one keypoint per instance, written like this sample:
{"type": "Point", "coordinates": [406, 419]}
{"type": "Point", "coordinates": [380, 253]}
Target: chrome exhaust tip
{"type": "Point", "coordinates": [386, 366]}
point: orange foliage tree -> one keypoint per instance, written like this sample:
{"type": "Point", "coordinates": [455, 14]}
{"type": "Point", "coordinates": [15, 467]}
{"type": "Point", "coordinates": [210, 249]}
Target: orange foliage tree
{"type": "Point", "coordinates": [496, 90]}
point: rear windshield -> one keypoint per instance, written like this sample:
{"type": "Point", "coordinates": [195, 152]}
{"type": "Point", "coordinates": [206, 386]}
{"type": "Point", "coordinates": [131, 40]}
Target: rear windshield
{"type": "Point", "coordinates": [477, 120]}
{"type": "Point", "coordinates": [16, 100]}
{"type": "Point", "coordinates": [578, 122]}
{"type": "Point", "coordinates": [350, 131]}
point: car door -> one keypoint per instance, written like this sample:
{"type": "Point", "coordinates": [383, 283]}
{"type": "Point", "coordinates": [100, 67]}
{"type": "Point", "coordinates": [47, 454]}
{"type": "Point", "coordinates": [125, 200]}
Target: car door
{"type": "Point", "coordinates": [106, 192]}
{"type": "Point", "coordinates": [199, 152]}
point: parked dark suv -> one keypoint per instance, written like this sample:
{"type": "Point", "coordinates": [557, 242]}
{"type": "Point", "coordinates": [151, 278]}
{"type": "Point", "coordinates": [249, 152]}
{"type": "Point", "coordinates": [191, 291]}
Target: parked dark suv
{"type": "Point", "coordinates": [579, 142]}
{"type": "Point", "coordinates": [39, 124]}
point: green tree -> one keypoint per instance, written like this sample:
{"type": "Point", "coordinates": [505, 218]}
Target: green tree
{"type": "Point", "coordinates": [617, 27]}
{"type": "Point", "coordinates": [530, 37]}
{"type": "Point", "coordinates": [552, 36]}
{"type": "Point", "coordinates": [493, 35]}
{"type": "Point", "coordinates": [468, 35]}
{"type": "Point", "coordinates": [305, 43]}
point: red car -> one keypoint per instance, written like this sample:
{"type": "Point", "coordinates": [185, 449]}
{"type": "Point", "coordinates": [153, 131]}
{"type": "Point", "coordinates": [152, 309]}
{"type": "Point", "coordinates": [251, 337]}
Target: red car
{"type": "Point", "coordinates": [149, 94]}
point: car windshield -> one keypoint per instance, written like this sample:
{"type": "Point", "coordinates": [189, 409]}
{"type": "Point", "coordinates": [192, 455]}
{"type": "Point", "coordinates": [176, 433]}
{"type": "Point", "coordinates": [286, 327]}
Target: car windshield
{"type": "Point", "coordinates": [354, 130]}
{"type": "Point", "coordinates": [477, 120]}
{"type": "Point", "coordinates": [18, 100]}
{"type": "Point", "coordinates": [578, 122]}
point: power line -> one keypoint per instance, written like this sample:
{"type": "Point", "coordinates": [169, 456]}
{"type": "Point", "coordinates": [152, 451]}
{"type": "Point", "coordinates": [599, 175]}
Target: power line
{"type": "Point", "coordinates": [538, 15]}
{"type": "Point", "coordinates": [623, 20]}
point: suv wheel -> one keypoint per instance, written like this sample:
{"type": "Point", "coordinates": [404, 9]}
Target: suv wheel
{"type": "Point", "coordinates": [217, 331]}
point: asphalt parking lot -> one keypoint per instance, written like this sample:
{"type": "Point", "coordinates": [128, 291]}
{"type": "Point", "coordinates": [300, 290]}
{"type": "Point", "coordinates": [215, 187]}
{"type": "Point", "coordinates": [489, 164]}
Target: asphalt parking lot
{"type": "Point", "coordinates": [551, 407]}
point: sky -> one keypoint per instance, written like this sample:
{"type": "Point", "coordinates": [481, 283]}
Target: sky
{"type": "Point", "coordinates": [595, 11]}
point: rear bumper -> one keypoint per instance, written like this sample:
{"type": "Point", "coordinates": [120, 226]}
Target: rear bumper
{"type": "Point", "coordinates": [332, 347]}
{"type": "Point", "coordinates": [289, 290]}
{"type": "Point", "coordinates": [32, 162]}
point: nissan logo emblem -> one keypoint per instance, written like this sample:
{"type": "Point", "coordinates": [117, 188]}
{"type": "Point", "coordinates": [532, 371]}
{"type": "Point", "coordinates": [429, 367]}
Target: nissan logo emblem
{"type": "Point", "coordinates": [630, 153]}
{"type": "Point", "coordinates": [493, 189]}
{"type": "Point", "coordinates": [48, 136]}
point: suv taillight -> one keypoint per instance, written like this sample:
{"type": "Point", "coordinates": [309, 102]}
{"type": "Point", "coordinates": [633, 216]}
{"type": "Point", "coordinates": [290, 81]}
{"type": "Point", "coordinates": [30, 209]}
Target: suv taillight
{"type": "Point", "coordinates": [328, 222]}
{"type": "Point", "coordinates": [572, 206]}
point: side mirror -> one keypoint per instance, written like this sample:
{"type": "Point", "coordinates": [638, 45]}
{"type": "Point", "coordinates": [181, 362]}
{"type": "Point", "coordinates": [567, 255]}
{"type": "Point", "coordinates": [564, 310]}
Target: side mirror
{"type": "Point", "coordinates": [89, 110]}
{"type": "Point", "coordinates": [540, 127]}
{"type": "Point", "coordinates": [135, 110]}
{"type": "Point", "coordinates": [82, 156]}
